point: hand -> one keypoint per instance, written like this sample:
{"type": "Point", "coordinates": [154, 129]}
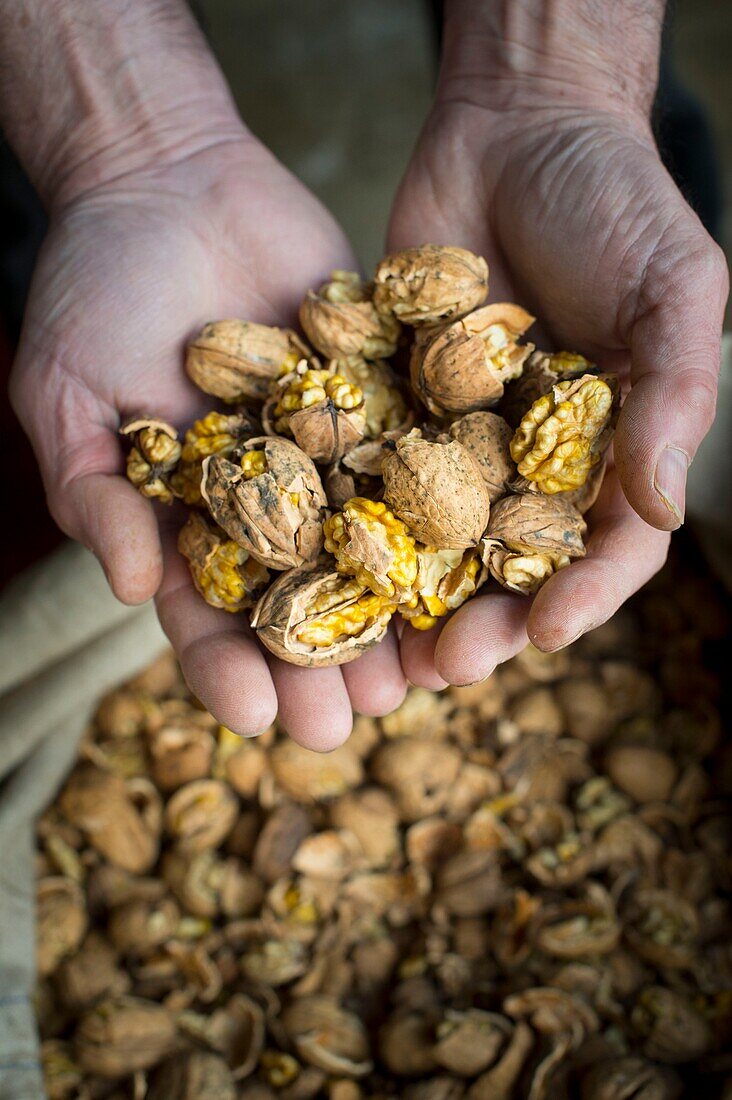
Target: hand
{"type": "Point", "coordinates": [130, 270]}
{"type": "Point", "coordinates": [562, 189]}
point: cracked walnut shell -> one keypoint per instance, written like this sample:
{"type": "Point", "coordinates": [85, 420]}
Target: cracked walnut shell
{"type": "Point", "coordinates": [437, 490]}
{"type": "Point", "coordinates": [464, 367]}
{"type": "Point", "coordinates": [340, 319]}
{"type": "Point", "coordinates": [384, 406]}
{"type": "Point", "coordinates": [315, 616]}
{"type": "Point", "coordinates": [269, 503]}
{"type": "Point", "coordinates": [372, 545]}
{"type": "Point", "coordinates": [214, 434]}
{"type": "Point", "coordinates": [430, 284]}
{"type": "Point", "coordinates": [530, 537]}
{"type": "Point", "coordinates": [224, 573]}
{"type": "Point", "coordinates": [565, 433]}
{"type": "Point", "coordinates": [154, 455]}
{"type": "Point", "coordinates": [542, 370]}
{"type": "Point", "coordinates": [239, 360]}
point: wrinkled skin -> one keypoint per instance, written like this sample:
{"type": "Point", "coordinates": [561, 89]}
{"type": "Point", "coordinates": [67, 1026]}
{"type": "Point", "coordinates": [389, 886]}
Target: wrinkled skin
{"type": "Point", "coordinates": [129, 271]}
{"type": "Point", "coordinates": [568, 200]}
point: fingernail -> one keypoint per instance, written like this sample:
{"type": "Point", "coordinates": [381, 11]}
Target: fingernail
{"type": "Point", "coordinates": [669, 480]}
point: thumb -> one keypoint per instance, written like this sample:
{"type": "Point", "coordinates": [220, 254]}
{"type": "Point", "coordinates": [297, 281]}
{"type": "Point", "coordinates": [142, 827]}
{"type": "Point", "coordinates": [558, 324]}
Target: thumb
{"type": "Point", "coordinates": [79, 459]}
{"type": "Point", "coordinates": [675, 341]}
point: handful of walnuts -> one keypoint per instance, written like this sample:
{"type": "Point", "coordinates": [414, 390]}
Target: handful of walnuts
{"type": "Point", "coordinates": [372, 490]}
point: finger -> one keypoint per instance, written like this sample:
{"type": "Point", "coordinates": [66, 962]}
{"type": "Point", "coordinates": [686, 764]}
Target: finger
{"type": "Point", "coordinates": [107, 515]}
{"type": "Point", "coordinates": [674, 337]}
{"type": "Point", "coordinates": [375, 682]}
{"type": "Point", "coordinates": [623, 553]}
{"type": "Point", "coordinates": [417, 649]}
{"type": "Point", "coordinates": [481, 635]}
{"type": "Point", "coordinates": [219, 656]}
{"type": "Point", "coordinates": [314, 706]}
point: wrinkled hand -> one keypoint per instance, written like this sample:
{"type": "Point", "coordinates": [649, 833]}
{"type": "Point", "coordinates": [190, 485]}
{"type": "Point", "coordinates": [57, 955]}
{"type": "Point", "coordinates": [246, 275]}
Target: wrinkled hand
{"type": "Point", "coordinates": [581, 224]}
{"type": "Point", "coordinates": [129, 271]}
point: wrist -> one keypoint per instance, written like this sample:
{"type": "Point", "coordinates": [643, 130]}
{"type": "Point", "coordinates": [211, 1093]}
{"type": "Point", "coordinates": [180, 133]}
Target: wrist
{"type": "Point", "coordinates": [131, 87]}
{"type": "Point", "coordinates": [552, 53]}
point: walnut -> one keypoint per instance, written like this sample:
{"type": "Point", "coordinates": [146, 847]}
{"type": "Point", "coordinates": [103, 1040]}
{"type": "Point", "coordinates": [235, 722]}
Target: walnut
{"type": "Point", "coordinates": [200, 815]}
{"type": "Point", "coordinates": [673, 1031]}
{"type": "Point", "coordinates": [123, 1034]}
{"type": "Point", "coordinates": [327, 1036]}
{"type": "Point", "coordinates": [576, 929]}
{"type": "Point", "coordinates": [153, 457]}
{"type": "Point", "coordinates": [565, 433]}
{"type": "Point", "coordinates": [224, 573]}
{"type": "Point", "coordinates": [662, 928]}
{"type": "Point", "coordinates": [617, 1078]}
{"type": "Point", "coordinates": [530, 537]}
{"type": "Point", "coordinates": [238, 360]}
{"type": "Point", "coordinates": [372, 545]}
{"type": "Point", "coordinates": [61, 1074]}
{"type": "Point", "coordinates": [469, 1042]}
{"type": "Point", "coordinates": [269, 503]}
{"type": "Point", "coordinates": [320, 409]}
{"type": "Point", "coordinates": [384, 406]}
{"type": "Point", "coordinates": [340, 319]}
{"type": "Point", "coordinates": [445, 580]}
{"type": "Point", "coordinates": [438, 491]}
{"type": "Point", "coordinates": [215, 433]}
{"type": "Point", "coordinates": [487, 438]}
{"type": "Point", "coordinates": [196, 1075]}
{"type": "Point", "coordinates": [61, 921]}
{"type": "Point", "coordinates": [645, 773]}
{"type": "Point", "coordinates": [314, 616]}
{"type": "Point", "coordinates": [430, 284]}
{"type": "Point", "coordinates": [464, 367]}
{"type": "Point", "coordinates": [102, 806]}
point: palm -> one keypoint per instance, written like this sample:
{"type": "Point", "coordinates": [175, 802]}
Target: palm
{"type": "Point", "coordinates": [126, 275]}
{"type": "Point", "coordinates": [581, 224]}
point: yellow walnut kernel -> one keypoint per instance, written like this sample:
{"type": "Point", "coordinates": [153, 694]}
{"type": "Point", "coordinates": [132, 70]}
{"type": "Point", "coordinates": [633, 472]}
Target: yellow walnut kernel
{"type": "Point", "coordinates": [153, 458]}
{"type": "Point", "coordinates": [313, 386]}
{"type": "Point", "coordinates": [230, 576]}
{"type": "Point", "coordinates": [213, 434]}
{"type": "Point", "coordinates": [568, 361]}
{"type": "Point", "coordinates": [254, 463]}
{"type": "Point", "coordinates": [559, 439]}
{"type": "Point", "coordinates": [371, 544]}
{"type": "Point", "coordinates": [345, 622]}
{"type": "Point", "coordinates": [445, 580]}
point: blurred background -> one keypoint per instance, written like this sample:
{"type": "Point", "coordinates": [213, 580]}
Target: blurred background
{"type": "Point", "coordinates": [338, 90]}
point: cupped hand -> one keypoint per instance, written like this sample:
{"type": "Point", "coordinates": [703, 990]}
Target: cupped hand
{"type": "Point", "coordinates": [130, 269]}
{"type": "Point", "coordinates": [582, 225]}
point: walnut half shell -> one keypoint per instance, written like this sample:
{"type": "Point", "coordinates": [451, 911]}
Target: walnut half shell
{"type": "Point", "coordinates": [314, 616]}
{"type": "Point", "coordinates": [238, 360]}
{"type": "Point", "coordinates": [340, 319]}
{"type": "Point", "coordinates": [270, 503]}
{"type": "Point", "coordinates": [464, 367]}
{"type": "Point", "coordinates": [529, 537]}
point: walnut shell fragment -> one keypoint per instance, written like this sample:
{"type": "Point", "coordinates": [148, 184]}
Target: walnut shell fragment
{"type": "Point", "coordinates": [327, 1036]}
{"type": "Point", "coordinates": [464, 367]}
{"type": "Point", "coordinates": [565, 433]}
{"type": "Point", "coordinates": [430, 284]}
{"type": "Point", "coordinates": [270, 503]}
{"type": "Point", "coordinates": [314, 616]}
{"type": "Point", "coordinates": [487, 437]}
{"type": "Point", "coordinates": [340, 319]}
{"type": "Point", "coordinates": [437, 490]}
{"type": "Point", "coordinates": [223, 572]}
{"type": "Point", "coordinates": [153, 458]}
{"type": "Point", "coordinates": [239, 360]}
{"type": "Point", "coordinates": [530, 537]}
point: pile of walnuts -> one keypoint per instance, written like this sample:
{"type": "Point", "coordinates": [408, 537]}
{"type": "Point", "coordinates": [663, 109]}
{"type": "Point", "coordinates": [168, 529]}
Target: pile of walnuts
{"type": "Point", "coordinates": [516, 889]}
{"type": "Point", "coordinates": [335, 493]}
